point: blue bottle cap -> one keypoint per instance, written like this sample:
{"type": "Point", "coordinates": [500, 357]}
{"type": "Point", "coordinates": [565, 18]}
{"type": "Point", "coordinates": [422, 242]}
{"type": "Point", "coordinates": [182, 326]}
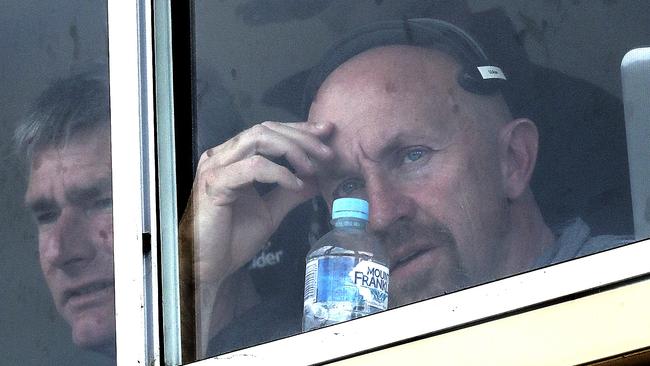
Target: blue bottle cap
{"type": "Point", "coordinates": [350, 207]}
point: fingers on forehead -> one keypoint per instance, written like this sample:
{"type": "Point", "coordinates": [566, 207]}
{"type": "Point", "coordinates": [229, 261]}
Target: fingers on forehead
{"type": "Point", "coordinates": [269, 139]}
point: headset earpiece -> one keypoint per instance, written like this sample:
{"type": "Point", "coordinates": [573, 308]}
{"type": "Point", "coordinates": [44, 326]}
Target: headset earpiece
{"type": "Point", "coordinates": [483, 80]}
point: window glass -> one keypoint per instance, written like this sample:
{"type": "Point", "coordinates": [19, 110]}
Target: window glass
{"type": "Point", "coordinates": [487, 137]}
{"type": "Point", "coordinates": [56, 275]}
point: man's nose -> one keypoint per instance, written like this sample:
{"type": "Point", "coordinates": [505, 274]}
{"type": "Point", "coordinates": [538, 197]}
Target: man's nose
{"type": "Point", "coordinates": [387, 203]}
{"type": "Point", "coordinates": [68, 245]}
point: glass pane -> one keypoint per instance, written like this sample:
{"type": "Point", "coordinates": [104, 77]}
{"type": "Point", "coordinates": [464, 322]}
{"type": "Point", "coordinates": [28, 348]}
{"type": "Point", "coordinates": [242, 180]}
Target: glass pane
{"type": "Point", "coordinates": [56, 275]}
{"type": "Point", "coordinates": [488, 139]}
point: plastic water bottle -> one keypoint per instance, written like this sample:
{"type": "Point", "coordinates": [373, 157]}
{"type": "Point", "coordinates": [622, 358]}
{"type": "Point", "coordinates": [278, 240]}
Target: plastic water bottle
{"type": "Point", "coordinates": [346, 275]}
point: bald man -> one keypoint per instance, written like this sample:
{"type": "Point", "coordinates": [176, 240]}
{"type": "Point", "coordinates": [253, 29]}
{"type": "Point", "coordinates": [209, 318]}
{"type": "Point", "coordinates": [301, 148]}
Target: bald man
{"type": "Point", "coordinates": [392, 119]}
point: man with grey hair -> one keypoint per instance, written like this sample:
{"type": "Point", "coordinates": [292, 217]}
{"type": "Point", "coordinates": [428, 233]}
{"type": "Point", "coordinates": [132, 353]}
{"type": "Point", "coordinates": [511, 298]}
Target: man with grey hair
{"type": "Point", "coordinates": [65, 143]}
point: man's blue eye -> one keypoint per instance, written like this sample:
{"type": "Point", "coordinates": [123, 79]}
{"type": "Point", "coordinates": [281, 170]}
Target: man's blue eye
{"type": "Point", "coordinates": [413, 155]}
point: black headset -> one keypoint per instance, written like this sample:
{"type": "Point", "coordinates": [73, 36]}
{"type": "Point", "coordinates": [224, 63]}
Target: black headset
{"type": "Point", "coordinates": [478, 74]}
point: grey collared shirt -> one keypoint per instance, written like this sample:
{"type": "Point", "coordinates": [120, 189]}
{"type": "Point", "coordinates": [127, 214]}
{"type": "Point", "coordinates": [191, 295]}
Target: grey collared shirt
{"type": "Point", "coordinates": [574, 240]}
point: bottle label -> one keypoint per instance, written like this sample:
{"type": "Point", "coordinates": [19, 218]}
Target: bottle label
{"type": "Point", "coordinates": [346, 279]}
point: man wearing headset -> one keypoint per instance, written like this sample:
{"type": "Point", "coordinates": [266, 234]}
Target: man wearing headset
{"type": "Point", "coordinates": [408, 115]}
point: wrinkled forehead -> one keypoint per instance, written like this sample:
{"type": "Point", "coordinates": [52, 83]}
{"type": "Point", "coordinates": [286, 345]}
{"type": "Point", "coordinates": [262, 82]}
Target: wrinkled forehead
{"type": "Point", "coordinates": [388, 97]}
{"type": "Point", "coordinates": [84, 157]}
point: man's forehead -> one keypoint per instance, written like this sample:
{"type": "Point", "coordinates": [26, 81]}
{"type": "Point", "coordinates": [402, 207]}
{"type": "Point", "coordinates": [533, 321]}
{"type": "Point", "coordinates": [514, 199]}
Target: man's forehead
{"type": "Point", "coordinates": [385, 75]}
{"type": "Point", "coordinates": [94, 138]}
{"type": "Point", "coordinates": [396, 81]}
{"type": "Point", "coordinates": [80, 163]}
{"type": "Point", "coordinates": [387, 98]}
{"type": "Point", "coordinates": [398, 63]}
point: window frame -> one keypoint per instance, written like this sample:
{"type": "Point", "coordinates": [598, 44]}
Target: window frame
{"type": "Point", "coordinates": [134, 194]}
{"type": "Point", "coordinates": [604, 328]}
{"type": "Point", "coordinates": [464, 309]}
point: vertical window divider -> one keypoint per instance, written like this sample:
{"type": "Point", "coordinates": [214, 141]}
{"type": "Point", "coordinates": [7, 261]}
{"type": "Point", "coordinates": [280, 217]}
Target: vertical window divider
{"type": "Point", "coordinates": [168, 209]}
{"type": "Point", "coordinates": [132, 146]}
{"type": "Point", "coordinates": [150, 195]}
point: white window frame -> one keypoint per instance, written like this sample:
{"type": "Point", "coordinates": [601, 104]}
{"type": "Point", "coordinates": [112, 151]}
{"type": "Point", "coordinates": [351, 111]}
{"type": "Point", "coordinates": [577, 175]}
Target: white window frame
{"type": "Point", "coordinates": [139, 336]}
{"type": "Point", "coordinates": [457, 310]}
{"type": "Point", "coordinates": [134, 194]}
{"type": "Point", "coordinates": [604, 328]}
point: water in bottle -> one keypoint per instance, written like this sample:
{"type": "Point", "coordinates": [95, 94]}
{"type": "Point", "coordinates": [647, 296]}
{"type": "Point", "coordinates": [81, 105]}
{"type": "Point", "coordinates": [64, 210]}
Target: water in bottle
{"type": "Point", "coordinates": [347, 272]}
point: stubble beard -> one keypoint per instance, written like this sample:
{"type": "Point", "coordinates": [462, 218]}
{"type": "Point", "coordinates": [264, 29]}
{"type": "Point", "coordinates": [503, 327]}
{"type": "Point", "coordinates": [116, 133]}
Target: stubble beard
{"type": "Point", "coordinates": [445, 275]}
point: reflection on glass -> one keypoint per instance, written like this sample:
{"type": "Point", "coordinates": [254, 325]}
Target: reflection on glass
{"type": "Point", "coordinates": [66, 142]}
{"type": "Point", "coordinates": [477, 162]}
{"type": "Point", "coordinates": [62, 144]}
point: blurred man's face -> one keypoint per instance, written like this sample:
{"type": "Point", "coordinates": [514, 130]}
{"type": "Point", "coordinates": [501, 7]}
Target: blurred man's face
{"type": "Point", "coordinates": [70, 197]}
{"type": "Point", "coordinates": [424, 153]}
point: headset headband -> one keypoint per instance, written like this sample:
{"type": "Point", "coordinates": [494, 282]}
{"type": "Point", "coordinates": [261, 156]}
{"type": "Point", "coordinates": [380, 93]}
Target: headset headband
{"type": "Point", "coordinates": [478, 75]}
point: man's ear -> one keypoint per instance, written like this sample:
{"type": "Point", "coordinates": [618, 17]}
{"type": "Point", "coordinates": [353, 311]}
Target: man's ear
{"type": "Point", "coordinates": [518, 143]}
